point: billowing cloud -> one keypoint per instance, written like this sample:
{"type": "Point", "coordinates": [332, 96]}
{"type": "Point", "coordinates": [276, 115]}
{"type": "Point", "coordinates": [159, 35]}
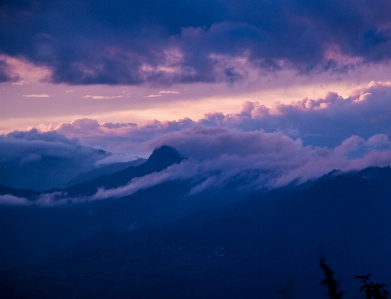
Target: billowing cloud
{"type": "Point", "coordinates": [255, 159]}
{"type": "Point", "coordinates": [324, 121]}
{"type": "Point", "coordinates": [128, 42]}
{"type": "Point", "coordinates": [320, 122]}
{"type": "Point", "coordinates": [278, 158]}
{"type": "Point", "coordinates": [124, 139]}
{"type": "Point", "coordinates": [272, 160]}
{"type": "Point", "coordinates": [263, 147]}
{"type": "Point", "coordinates": [85, 126]}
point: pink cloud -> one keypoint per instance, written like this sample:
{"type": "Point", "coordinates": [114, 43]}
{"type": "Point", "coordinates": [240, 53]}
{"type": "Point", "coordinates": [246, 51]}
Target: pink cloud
{"type": "Point", "coordinates": [286, 143]}
{"type": "Point", "coordinates": [22, 71]}
{"type": "Point", "coordinates": [317, 122]}
{"type": "Point", "coordinates": [42, 95]}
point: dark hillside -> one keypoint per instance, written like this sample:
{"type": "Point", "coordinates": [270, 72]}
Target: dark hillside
{"type": "Point", "coordinates": [217, 253]}
{"type": "Point", "coordinates": [160, 159]}
{"type": "Point", "coordinates": [103, 170]}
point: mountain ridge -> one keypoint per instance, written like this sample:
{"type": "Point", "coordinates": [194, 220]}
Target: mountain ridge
{"type": "Point", "coordinates": [241, 250]}
{"type": "Point", "coordinates": [160, 159]}
{"type": "Point", "coordinates": [103, 170]}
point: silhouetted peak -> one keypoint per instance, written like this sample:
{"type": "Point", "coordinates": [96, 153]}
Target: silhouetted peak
{"type": "Point", "coordinates": [165, 154]}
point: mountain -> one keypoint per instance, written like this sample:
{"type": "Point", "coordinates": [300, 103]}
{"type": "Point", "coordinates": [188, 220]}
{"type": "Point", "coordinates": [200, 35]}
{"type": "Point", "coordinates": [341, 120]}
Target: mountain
{"type": "Point", "coordinates": [25, 193]}
{"type": "Point", "coordinates": [162, 242]}
{"type": "Point", "coordinates": [46, 230]}
{"type": "Point", "coordinates": [41, 172]}
{"type": "Point", "coordinates": [160, 159]}
{"type": "Point", "coordinates": [103, 170]}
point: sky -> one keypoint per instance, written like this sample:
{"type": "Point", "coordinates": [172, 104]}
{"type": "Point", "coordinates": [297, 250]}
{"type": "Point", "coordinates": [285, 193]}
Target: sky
{"type": "Point", "coordinates": [243, 79]}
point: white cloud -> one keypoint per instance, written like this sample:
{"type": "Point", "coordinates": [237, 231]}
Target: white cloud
{"type": "Point", "coordinates": [95, 97]}
{"type": "Point", "coordinates": [153, 96]}
{"type": "Point", "coordinates": [168, 92]}
{"type": "Point", "coordinates": [42, 95]}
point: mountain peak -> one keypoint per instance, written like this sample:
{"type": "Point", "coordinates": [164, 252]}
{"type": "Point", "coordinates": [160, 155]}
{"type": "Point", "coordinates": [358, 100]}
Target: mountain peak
{"type": "Point", "coordinates": [166, 155]}
{"type": "Point", "coordinates": [160, 159]}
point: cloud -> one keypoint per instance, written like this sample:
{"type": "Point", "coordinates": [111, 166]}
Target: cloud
{"type": "Point", "coordinates": [94, 97]}
{"type": "Point", "coordinates": [153, 96]}
{"type": "Point", "coordinates": [168, 92]}
{"type": "Point", "coordinates": [42, 95]}
{"type": "Point", "coordinates": [201, 142]}
{"type": "Point", "coordinates": [38, 161]}
{"type": "Point", "coordinates": [182, 42]}
{"type": "Point", "coordinates": [21, 71]}
{"type": "Point", "coordinates": [117, 125]}
{"type": "Point", "coordinates": [271, 160]}
{"type": "Point", "coordinates": [45, 199]}
{"type": "Point", "coordinates": [263, 147]}
{"type": "Point", "coordinates": [9, 199]}
{"type": "Point", "coordinates": [85, 126]}
{"type": "Point", "coordinates": [121, 139]}
{"type": "Point", "coordinates": [323, 122]}
{"type": "Point", "coordinates": [118, 138]}
{"type": "Point", "coordinates": [6, 74]}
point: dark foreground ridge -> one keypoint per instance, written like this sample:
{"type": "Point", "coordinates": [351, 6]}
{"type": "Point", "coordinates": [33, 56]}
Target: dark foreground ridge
{"type": "Point", "coordinates": [163, 243]}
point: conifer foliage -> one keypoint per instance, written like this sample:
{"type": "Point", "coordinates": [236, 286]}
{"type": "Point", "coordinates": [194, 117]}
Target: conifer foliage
{"type": "Point", "coordinates": [371, 289]}
{"type": "Point", "coordinates": [329, 281]}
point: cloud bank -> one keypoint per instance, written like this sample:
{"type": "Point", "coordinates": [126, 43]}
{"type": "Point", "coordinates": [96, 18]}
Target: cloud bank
{"type": "Point", "coordinates": [35, 160]}
{"type": "Point", "coordinates": [324, 122]}
{"type": "Point", "coordinates": [269, 160]}
{"type": "Point", "coordinates": [259, 147]}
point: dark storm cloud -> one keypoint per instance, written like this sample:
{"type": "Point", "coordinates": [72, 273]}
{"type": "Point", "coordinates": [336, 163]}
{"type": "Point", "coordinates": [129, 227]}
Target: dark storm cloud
{"type": "Point", "coordinates": [6, 74]}
{"type": "Point", "coordinates": [166, 42]}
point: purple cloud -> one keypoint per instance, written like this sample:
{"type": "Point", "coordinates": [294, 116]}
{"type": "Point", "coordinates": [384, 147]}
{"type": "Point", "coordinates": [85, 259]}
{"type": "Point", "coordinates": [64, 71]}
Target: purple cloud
{"type": "Point", "coordinates": [40, 161]}
{"type": "Point", "coordinates": [271, 160]}
{"type": "Point", "coordinates": [6, 74]}
{"type": "Point", "coordinates": [9, 199]}
{"type": "Point", "coordinates": [133, 42]}
{"type": "Point", "coordinates": [318, 122]}
{"type": "Point", "coordinates": [273, 146]}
